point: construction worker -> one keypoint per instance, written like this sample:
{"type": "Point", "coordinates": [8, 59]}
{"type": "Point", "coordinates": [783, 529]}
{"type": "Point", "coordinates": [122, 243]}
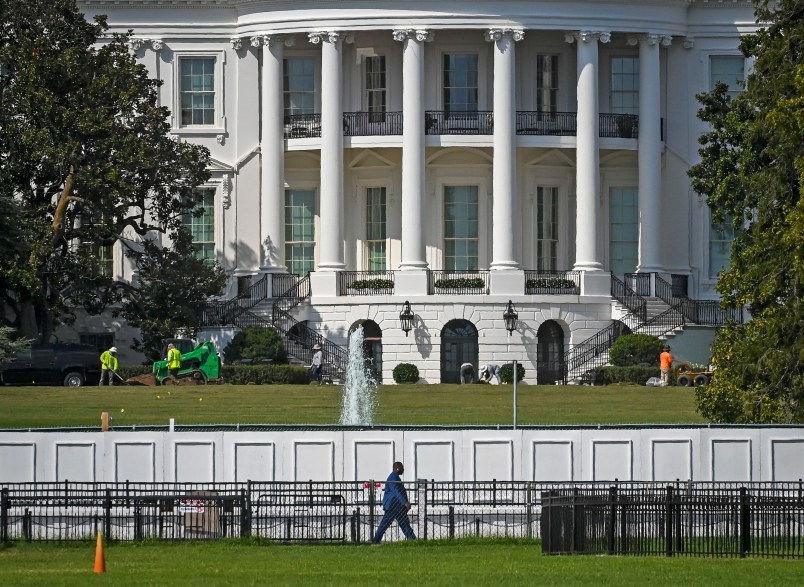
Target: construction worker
{"type": "Point", "coordinates": [173, 362]}
{"type": "Point", "coordinates": [665, 363]}
{"type": "Point", "coordinates": [108, 361]}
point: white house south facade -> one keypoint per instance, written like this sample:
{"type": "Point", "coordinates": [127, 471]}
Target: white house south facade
{"type": "Point", "coordinates": [462, 161]}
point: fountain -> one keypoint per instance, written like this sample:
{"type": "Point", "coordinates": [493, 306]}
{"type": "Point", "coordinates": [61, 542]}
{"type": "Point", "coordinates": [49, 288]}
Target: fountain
{"type": "Point", "coordinates": [360, 390]}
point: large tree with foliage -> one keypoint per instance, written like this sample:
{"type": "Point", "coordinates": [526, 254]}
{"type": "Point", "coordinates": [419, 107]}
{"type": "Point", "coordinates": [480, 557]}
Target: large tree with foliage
{"type": "Point", "coordinates": [751, 169]}
{"type": "Point", "coordinates": [87, 161]}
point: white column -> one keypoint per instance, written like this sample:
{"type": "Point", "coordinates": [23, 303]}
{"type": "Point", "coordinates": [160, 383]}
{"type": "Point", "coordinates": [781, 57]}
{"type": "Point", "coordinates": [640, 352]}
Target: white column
{"type": "Point", "coordinates": [330, 241]}
{"type": "Point", "coordinates": [413, 176]}
{"type": "Point", "coordinates": [650, 152]}
{"type": "Point", "coordinates": [505, 209]}
{"type": "Point", "coordinates": [272, 149]}
{"type": "Point", "coordinates": [588, 255]}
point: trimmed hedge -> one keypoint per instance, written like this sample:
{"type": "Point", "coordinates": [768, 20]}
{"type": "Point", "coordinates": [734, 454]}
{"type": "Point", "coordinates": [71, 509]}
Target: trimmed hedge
{"type": "Point", "coordinates": [460, 283]}
{"type": "Point", "coordinates": [632, 374]}
{"type": "Point", "coordinates": [507, 372]}
{"type": "Point", "coordinates": [376, 283]}
{"type": "Point", "coordinates": [406, 373]}
{"type": "Point", "coordinates": [242, 374]}
{"type": "Point", "coordinates": [635, 349]}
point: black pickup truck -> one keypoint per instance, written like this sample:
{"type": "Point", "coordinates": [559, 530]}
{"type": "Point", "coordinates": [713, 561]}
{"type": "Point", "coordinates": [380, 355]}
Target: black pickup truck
{"type": "Point", "coordinates": [67, 364]}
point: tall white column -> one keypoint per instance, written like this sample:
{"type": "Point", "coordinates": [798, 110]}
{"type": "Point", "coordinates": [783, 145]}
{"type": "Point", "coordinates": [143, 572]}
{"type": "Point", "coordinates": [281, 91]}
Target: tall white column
{"type": "Point", "coordinates": [588, 254]}
{"type": "Point", "coordinates": [504, 165]}
{"type": "Point", "coordinates": [272, 148]}
{"type": "Point", "coordinates": [413, 176]}
{"type": "Point", "coordinates": [650, 152]}
{"type": "Point", "coordinates": [330, 252]}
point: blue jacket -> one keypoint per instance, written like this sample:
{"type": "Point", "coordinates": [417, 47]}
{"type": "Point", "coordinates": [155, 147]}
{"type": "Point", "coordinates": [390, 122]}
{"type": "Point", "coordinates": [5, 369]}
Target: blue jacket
{"type": "Point", "coordinates": [395, 494]}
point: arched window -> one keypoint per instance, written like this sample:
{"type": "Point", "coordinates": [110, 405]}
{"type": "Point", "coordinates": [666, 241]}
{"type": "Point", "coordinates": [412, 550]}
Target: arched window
{"type": "Point", "coordinates": [549, 353]}
{"type": "Point", "coordinates": [372, 346]}
{"type": "Point", "coordinates": [458, 346]}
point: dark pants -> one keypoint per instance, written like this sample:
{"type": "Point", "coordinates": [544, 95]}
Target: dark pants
{"type": "Point", "coordinates": [400, 514]}
{"type": "Point", "coordinates": [315, 373]}
{"type": "Point", "coordinates": [106, 374]}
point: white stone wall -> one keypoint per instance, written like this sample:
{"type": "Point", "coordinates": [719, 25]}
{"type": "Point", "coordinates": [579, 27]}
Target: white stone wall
{"type": "Point", "coordinates": [573, 454]}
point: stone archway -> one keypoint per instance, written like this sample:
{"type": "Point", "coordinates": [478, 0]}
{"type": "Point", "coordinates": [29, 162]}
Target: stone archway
{"type": "Point", "coordinates": [372, 346]}
{"type": "Point", "coordinates": [549, 353]}
{"type": "Point", "coordinates": [458, 346]}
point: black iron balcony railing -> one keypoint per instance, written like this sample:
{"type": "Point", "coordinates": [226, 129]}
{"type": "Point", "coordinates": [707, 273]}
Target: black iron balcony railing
{"type": "Point", "coordinates": [555, 282]}
{"type": "Point", "coordinates": [371, 124]}
{"type": "Point", "coordinates": [619, 126]}
{"type": "Point", "coordinates": [547, 123]}
{"type": "Point", "coordinates": [365, 283]}
{"type": "Point", "coordinates": [443, 122]}
{"type": "Point", "coordinates": [457, 282]}
{"type": "Point", "coordinates": [301, 126]}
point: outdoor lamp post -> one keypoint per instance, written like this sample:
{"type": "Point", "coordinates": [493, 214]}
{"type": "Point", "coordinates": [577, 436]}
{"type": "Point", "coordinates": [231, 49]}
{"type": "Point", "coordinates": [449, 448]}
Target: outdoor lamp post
{"type": "Point", "coordinates": [510, 317]}
{"type": "Point", "coordinates": [406, 318]}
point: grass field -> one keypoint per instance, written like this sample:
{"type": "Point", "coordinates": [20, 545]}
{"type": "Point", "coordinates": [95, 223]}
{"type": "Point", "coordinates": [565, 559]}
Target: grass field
{"type": "Point", "coordinates": [432, 564]}
{"type": "Point", "coordinates": [23, 407]}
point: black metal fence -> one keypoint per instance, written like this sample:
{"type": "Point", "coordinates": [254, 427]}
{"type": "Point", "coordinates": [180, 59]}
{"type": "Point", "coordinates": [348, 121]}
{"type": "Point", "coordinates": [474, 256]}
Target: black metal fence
{"type": "Point", "coordinates": [680, 519]}
{"type": "Point", "coordinates": [543, 281]}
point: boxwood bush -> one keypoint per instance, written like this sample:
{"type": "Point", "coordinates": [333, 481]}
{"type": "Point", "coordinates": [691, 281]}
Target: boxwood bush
{"type": "Point", "coordinates": [376, 283]}
{"type": "Point", "coordinates": [635, 349]}
{"type": "Point", "coordinates": [242, 374]}
{"type": "Point", "coordinates": [406, 373]}
{"type": "Point", "coordinates": [460, 283]}
{"type": "Point", "coordinates": [631, 374]}
{"type": "Point", "coordinates": [507, 372]}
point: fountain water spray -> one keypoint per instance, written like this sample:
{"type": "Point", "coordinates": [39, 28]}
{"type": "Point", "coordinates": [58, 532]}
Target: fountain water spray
{"type": "Point", "coordinates": [360, 390]}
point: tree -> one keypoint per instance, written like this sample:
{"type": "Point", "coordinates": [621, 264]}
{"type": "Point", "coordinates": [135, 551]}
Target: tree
{"type": "Point", "coordinates": [751, 175]}
{"type": "Point", "coordinates": [256, 342]}
{"type": "Point", "coordinates": [9, 346]}
{"type": "Point", "coordinates": [87, 157]}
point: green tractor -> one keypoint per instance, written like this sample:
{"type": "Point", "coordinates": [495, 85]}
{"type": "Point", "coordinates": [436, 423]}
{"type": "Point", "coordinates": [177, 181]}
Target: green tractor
{"type": "Point", "coordinates": [200, 363]}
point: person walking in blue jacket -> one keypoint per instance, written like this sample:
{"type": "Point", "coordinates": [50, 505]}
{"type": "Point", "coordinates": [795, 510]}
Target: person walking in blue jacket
{"type": "Point", "coordinates": [396, 505]}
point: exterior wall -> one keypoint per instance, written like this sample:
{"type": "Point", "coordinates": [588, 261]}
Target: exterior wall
{"type": "Point", "coordinates": [579, 454]}
{"type": "Point", "coordinates": [235, 33]}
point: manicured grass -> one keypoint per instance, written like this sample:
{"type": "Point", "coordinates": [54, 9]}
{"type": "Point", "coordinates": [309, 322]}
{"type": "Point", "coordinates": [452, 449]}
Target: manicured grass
{"type": "Point", "coordinates": [433, 564]}
{"type": "Point", "coordinates": [23, 407]}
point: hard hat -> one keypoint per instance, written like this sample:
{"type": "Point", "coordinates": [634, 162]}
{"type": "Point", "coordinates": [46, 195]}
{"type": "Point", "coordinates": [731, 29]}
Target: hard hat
{"type": "Point", "coordinates": [316, 347]}
{"type": "Point", "coordinates": [483, 368]}
{"type": "Point", "coordinates": [113, 349]}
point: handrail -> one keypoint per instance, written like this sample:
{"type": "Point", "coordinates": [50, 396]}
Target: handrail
{"type": "Point", "coordinates": [226, 313]}
{"type": "Point", "coordinates": [628, 298]}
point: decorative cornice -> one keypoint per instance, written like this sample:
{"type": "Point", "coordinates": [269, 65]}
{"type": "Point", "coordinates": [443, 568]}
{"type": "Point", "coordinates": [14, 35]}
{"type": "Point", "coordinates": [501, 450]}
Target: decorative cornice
{"type": "Point", "coordinates": [497, 34]}
{"type": "Point", "coordinates": [587, 36]}
{"type": "Point", "coordinates": [157, 45]}
{"type": "Point", "coordinates": [420, 35]}
{"type": "Point", "coordinates": [330, 37]}
{"type": "Point", "coordinates": [237, 43]}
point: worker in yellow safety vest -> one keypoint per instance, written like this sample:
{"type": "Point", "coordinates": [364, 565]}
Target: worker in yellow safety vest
{"type": "Point", "coordinates": [173, 362]}
{"type": "Point", "coordinates": [108, 361]}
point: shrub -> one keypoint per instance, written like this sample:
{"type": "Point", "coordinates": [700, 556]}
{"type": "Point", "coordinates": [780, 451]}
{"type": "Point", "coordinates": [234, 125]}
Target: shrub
{"type": "Point", "coordinates": [507, 372]}
{"type": "Point", "coordinates": [631, 374]}
{"type": "Point", "coordinates": [378, 283]}
{"type": "Point", "coordinates": [264, 374]}
{"type": "Point", "coordinates": [460, 283]}
{"type": "Point", "coordinates": [406, 373]}
{"type": "Point", "coordinates": [256, 342]}
{"type": "Point", "coordinates": [550, 283]}
{"type": "Point", "coordinates": [134, 370]}
{"type": "Point", "coordinates": [635, 349]}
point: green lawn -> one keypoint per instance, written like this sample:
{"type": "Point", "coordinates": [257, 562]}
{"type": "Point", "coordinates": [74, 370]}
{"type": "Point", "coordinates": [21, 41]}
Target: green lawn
{"type": "Point", "coordinates": [23, 407]}
{"type": "Point", "coordinates": [434, 563]}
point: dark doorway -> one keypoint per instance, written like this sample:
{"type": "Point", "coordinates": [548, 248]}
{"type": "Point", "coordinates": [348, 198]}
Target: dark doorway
{"type": "Point", "coordinates": [372, 346]}
{"type": "Point", "coordinates": [549, 353]}
{"type": "Point", "coordinates": [458, 346]}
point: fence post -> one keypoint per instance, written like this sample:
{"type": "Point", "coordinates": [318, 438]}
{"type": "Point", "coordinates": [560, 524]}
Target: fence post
{"type": "Point", "coordinates": [107, 514]}
{"type": "Point", "coordinates": [452, 522]}
{"type": "Point", "coordinates": [612, 519]}
{"type": "Point", "coordinates": [4, 507]}
{"type": "Point", "coordinates": [745, 523]}
{"type": "Point", "coordinates": [245, 512]}
{"type": "Point", "coordinates": [422, 508]}
{"type": "Point", "coordinates": [372, 506]}
{"type": "Point", "coordinates": [668, 521]}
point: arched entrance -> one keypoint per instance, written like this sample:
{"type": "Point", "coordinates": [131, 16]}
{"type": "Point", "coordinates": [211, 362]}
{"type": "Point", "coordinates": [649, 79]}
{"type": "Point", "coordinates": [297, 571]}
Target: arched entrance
{"type": "Point", "coordinates": [372, 346]}
{"type": "Point", "coordinates": [549, 353]}
{"type": "Point", "coordinates": [458, 346]}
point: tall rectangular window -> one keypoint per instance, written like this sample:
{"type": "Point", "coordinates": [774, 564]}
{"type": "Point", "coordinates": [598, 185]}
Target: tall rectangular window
{"type": "Point", "coordinates": [546, 227]}
{"type": "Point", "coordinates": [729, 69]}
{"type": "Point", "coordinates": [460, 228]}
{"type": "Point", "coordinates": [623, 230]}
{"type": "Point", "coordinates": [103, 254]}
{"type": "Point", "coordinates": [721, 235]}
{"type": "Point", "coordinates": [300, 231]}
{"type": "Point", "coordinates": [375, 87]}
{"type": "Point", "coordinates": [460, 82]}
{"type": "Point", "coordinates": [375, 229]}
{"type": "Point", "coordinates": [547, 83]}
{"type": "Point", "coordinates": [299, 85]}
{"type": "Point", "coordinates": [625, 85]}
{"type": "Point", "coordinates": [197, 92]}
{"type": "Point", "coordinates": [203, 227]}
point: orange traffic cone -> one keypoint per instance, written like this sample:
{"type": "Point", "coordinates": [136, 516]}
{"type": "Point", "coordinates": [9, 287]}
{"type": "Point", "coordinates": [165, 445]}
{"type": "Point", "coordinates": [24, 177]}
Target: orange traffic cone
{"type": "Point", "coordinates": [100, 560]}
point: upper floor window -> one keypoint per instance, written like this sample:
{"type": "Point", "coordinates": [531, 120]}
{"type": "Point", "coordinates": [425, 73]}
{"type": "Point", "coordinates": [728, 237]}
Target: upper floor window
{"type": "Point", "coordinates": [461, 228]}
{"type": "Point", "coordinates": [299, 85]}
{"type": "Point", "coordinates": [300, 231]}
{"type": "Point", "coordinates": [101, 341]}
{"type": "Point", "coordinates": [375, 86]}
{"type": "Point", "coordinates": [546, 227]}
{"type": "Point", "coordinates": [203, 227]}
{"type": "Point", "coordinates": [197, 91]}
{"type": "Point", "coordinates": [103, 254]}
{"type": "Point", "coordinates": [375, 229]}
{"type": "Point", "coordinates": [729, 69]}
{"type": "Point", "coordinates": [625, 85]}
{"type": "Point", "coordinates": [721, 235]}
{"type": "Point", "coordinates": [460, 82]}
{"type": "Point", "coordinates": [547, 83]}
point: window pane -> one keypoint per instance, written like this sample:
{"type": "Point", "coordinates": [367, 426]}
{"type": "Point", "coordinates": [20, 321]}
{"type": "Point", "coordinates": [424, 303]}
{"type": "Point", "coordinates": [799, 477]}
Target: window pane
{"type": "Point", "coordinates": [300, 231]}
{"type": "Point", "coordinates": [461, 227]}
{"type": "Point", "coordinates": [299, 85]}
{"type": "Point", "coordinates": [625, 85]}
{"type": "Point", "coordinates": [460, 82]}
{"type": "Point", "coordinates": [202, 227]}
{"type": "Point", "coordinates": [546, 227]}
{"type": "Point", "coordinates": [197, 92]}
{"type": "Point", "coordinates": [729, 69]}
{"type": "Point", "coordinates": [375, 229]}
{"type": "Point", "coordinates": [721, 235]}
{"type": "Point", "coordinates": [623, 230]}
